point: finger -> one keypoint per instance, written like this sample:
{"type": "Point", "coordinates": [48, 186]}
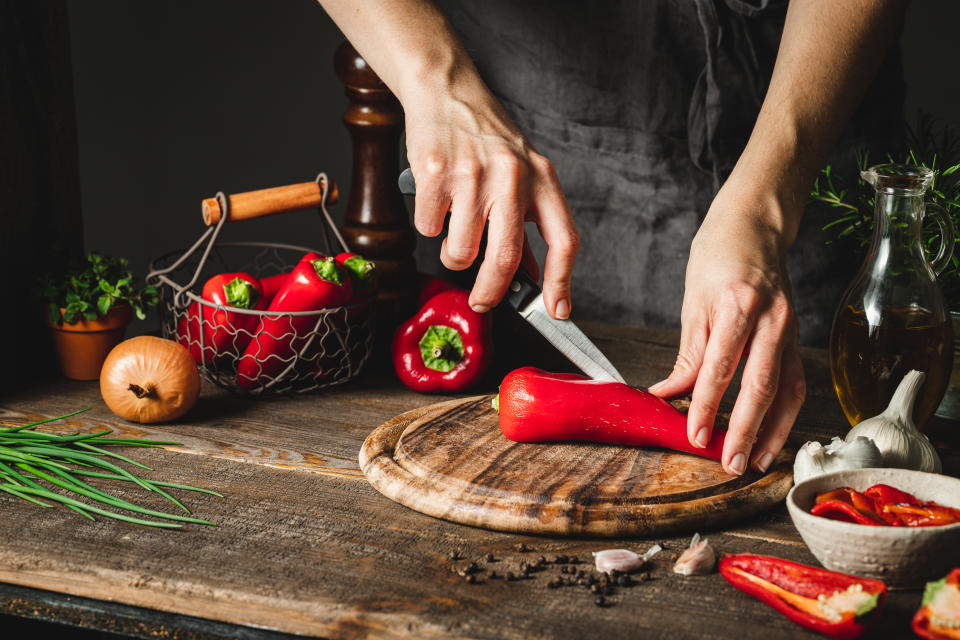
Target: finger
{"type": "Point", "coordinates": [758, 388]}
{"type": "Point", "coordinates": [555, 222]}
{"type": "Point", "coordinates": [467, 219]}
{"type": "Point", "coordinates": [529, 261]}
{"type": "Point", "coordinates": [728, 335]}
{"type": "Point", "coordinates": [783, 412]}
{"type": "Point", "coordinates": [693, 343]}
{"type": "Point", "coordinates": [432, 201]}
{"type": "Point", "coordinates": [502, 257]}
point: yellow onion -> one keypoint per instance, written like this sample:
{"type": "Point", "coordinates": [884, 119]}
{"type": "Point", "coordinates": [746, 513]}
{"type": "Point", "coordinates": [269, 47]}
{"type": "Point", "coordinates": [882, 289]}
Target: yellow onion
{"type": "Point", "coordinates": [147, 379]}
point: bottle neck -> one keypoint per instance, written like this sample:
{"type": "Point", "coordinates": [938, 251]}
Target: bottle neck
{"type": "Point", "coordinates": [897, 222]}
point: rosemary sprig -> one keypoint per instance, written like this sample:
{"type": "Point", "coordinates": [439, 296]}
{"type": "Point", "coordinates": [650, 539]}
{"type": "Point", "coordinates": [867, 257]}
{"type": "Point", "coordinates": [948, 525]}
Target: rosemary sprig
{"type": "Point", "coordinates": [29, 457]}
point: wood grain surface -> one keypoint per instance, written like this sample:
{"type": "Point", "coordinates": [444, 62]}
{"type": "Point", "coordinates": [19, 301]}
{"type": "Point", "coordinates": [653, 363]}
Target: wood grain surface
{"type": "Point", "coordinates": [303, 543]}
{"type": "Point", "coordinates": [450, 460]}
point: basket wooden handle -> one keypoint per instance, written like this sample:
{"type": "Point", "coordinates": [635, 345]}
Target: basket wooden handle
{"type": "Point", "coordinates": [267, 202]}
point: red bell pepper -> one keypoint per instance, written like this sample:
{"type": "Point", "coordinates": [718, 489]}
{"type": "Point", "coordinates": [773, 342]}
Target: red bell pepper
{"type": "Point", "coordinates": [884, 494]}
{"type": "Point", "coordinates": [429, 286]}
{"type": "Point", "coordinates": [272, 285]}
{"type": "Point", "coordinates": [536, 406]}
{"type": "Point", "coordinates": [446, 346]}
{"type": "Point", "coordinates": [834, 604]}
{"type": "Point", "coordinates": [362, 274]}
{"type": "Point", "coordinates": [932, 515]}
{"type": "Point", "coordinates": [882, 504]}
{"type": "Point", "coordinates": [939, 615]}
{"type": "Point", "coordinates": [315, 283]}
{"type": "Point", "coordinates": [225, 333]}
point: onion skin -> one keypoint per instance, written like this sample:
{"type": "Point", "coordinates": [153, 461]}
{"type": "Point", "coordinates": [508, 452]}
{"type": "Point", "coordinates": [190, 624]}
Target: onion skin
{"type": "Point", "coordinates": [148, 379]}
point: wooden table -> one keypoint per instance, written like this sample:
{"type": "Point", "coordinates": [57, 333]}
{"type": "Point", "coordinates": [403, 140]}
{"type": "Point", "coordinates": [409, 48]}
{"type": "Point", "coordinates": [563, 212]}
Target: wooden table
{"type": "Point", "coordinates": [305, 546]}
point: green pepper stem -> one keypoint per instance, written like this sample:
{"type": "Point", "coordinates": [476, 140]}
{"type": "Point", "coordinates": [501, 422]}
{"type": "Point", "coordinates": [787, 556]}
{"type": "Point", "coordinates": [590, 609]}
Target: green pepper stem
{"type": "Point", "coordinates": [240, 293]}
{"type": "Point", "coordinates": [328, 270]}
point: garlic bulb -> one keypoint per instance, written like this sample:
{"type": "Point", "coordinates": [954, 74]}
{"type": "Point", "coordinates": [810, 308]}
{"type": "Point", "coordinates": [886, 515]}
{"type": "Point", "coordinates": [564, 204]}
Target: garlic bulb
{"type": "Point", "coordinates": [814, 459]}
{"type": "Point", "coordinates": [698, 558]}
{"type": "Point", "coordinates": [894, 433]}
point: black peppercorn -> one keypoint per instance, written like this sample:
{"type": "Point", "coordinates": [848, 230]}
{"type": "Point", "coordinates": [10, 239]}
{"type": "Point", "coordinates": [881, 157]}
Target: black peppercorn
{"type": "Point", "coordinates": [489, 557]}
{"type": "Point", "coordinates": [600, 601]}
{"type": "Point", "coordinates": [574, 560]}
{"type": "Point", "coordinates": [522, 547]}
{"type": "Point", "coordinates": [494, 575]}
{"type": "Point", "coordinates": [644, 577]}
{"type": "Point", "coordinates": [594, 588]}
{"type": "Point", "coordinates": [510, 576]}
{"type": "Point", "coordinates": [471, 579]}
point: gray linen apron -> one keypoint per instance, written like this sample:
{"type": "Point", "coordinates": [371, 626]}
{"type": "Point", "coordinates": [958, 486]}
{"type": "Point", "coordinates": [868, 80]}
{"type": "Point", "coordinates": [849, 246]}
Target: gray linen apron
{"type": "Point", "coordinates": [644, 108]}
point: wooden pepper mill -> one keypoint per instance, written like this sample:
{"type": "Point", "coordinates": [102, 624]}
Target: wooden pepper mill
{"type": "Point", "coordinates": [376, 223]}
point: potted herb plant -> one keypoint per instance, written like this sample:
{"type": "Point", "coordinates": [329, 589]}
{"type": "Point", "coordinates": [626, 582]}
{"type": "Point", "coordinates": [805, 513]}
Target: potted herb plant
{"type": "Point", "coordinates": [89, 309]}
{"type": "Point", "coordinates": [937, 148]}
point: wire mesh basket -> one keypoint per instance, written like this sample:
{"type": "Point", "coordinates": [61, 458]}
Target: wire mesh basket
{"type": "Point", "coordinates": [256, 352]}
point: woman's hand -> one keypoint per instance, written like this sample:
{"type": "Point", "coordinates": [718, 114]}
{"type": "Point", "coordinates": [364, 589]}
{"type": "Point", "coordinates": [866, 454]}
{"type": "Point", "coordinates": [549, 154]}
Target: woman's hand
{"type": "Point", "coordinates": [737, 306]}
{"type": "Point", "coordinates": [470, 159]}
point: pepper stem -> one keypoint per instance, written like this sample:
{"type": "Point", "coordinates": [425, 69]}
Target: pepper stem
{"type": "Point", "coordinates": [240, 293]}
{"type": "Point", "coordinates": [441, 348]}
{"type": "Point", "coordinates": [328, 270]}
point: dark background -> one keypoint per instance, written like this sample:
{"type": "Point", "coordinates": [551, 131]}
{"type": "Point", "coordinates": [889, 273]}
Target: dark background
{"type": "Point", "coordinates": [177, 100]}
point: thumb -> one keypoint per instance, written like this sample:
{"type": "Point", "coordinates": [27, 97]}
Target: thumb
{"type": "Point", "coordinates": [693, 342]}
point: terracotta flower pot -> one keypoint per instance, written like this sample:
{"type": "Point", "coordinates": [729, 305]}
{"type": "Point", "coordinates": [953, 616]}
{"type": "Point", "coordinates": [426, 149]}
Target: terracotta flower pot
{"type": "Point", "coordinates": [83, 346]}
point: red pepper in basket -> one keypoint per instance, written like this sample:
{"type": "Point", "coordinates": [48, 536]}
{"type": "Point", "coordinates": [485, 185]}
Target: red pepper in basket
{"type": "Point", "coordinates": [315, 283]}
{"type": "Point", "coordinates": [362, 273]}
{"type": "Point", "coordinates": [536, 406]}
{"type": "Point", "coordinates": [939, 615]}
{"type": "Point", "coordinates": [225, 333]}
{"type": "Point", "coordinates": [272, 285]}
{"type": "Point", "coordinates": [834, 604]}
{"type": "Point", "coordinates": [446, 346]}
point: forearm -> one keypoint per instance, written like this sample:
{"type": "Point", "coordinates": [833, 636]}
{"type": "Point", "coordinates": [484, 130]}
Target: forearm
{"type": "Point", "coordinates": [829, 53]}
{"type": "Point", "coordinates": [410, 44]}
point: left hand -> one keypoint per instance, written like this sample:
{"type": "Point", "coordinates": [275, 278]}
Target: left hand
{"type": "Point", "coordinates": [737, 306]}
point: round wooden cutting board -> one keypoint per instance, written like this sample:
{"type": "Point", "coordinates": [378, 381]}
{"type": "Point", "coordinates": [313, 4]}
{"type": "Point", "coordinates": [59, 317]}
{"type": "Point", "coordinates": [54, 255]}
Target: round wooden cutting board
{"type": "Point", "coordinates": [449, 460]}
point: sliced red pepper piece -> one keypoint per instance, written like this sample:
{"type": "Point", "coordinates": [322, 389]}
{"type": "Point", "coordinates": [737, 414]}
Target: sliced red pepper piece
{"type": "Point", "coordinates": [846, 512]}
{"type": "Point", "coordinates": [939, 615]}
{"type": "Point", "coordinates": [834, 604]}
{"type": "Point", "coordinates": [884, 494]}
{"type": "Point", "coordinates": [922, 516]}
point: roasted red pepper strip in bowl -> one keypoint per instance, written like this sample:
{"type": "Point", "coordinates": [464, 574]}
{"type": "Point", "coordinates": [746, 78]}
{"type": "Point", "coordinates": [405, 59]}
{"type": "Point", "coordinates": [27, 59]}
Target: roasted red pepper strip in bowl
{"type": "Point", "coordinates": [828, 602]}
{"type": "Point", "coordinates": [536, 406]}
{"type": "Point", "coordinates": [939, 615]}
{"type": "Point", "coordinates": [446, 346]}
{"type": "Point", "coordinates": [882, 504]}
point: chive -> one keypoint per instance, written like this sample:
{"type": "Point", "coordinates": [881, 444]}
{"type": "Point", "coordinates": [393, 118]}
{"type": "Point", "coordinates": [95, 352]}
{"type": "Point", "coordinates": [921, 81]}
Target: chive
{"type": "Point", "coordinates": [59, 458]}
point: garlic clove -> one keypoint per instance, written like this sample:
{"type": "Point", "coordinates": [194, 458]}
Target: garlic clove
{"type": "Point", "coordinates": [622, 560]}
{"type": "Point", "coordinates": [699, 558]}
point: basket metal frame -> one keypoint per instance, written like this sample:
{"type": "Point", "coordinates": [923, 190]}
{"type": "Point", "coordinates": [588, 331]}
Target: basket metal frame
{"type": "Point", "coordinates": [183, 297]}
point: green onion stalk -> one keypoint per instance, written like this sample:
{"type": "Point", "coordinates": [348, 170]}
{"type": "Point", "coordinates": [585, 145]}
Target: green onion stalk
{"type": "Point", "coordinates": [29, 458]}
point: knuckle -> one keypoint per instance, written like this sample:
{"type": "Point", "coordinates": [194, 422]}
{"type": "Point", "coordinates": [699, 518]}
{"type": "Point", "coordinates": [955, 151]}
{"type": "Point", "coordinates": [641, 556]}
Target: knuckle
{"type": "Point", "coordinates": [704, 408]}
{"type": "Point", "coordinates": [763, 387]}
{"type": "Point", "coordinates": [685, 362]}
{"type": "Point", "coordinates": [742, 298]}
{"type": "Point", "coordinates": [721, 368]}
{"type": "Point", "coordinates": [460, 255]}
{"type": "Point", "coordinates": [468, 167]}
{"type": "Point", "coordinates": [798, 390]}
{"type": "Point", "coordinates": [568, 243]}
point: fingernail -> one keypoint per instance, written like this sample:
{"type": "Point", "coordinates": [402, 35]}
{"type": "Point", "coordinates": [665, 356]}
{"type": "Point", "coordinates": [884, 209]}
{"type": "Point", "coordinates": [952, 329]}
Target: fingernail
{"type": "Point", "coordinates": [654, 387]}
{"type": "Point", "coordinates": [763, 462]}
{"type": "Point", "coordinates": [563, 309]}
{"type": "Point", "coordinates": [480, 308]}
{"type": "Point", "coordinates": [703, 437]}
{"type": "Point", "coordinates": [738, 464]}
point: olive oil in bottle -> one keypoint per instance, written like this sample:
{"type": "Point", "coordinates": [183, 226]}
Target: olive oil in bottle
{"type": "Point", "coordinates": [868, 361]}
{"type": "Point", "coordinates": [892, 317]}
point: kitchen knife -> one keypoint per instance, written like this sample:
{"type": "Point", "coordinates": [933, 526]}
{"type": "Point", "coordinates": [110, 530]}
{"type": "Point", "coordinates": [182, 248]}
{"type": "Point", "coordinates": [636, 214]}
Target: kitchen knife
{"type": "Point", "coordinates": [525, 296]}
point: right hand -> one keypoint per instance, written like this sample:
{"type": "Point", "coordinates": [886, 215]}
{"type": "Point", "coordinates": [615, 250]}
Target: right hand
{"type": "Point", "coordinates": [469, 158]}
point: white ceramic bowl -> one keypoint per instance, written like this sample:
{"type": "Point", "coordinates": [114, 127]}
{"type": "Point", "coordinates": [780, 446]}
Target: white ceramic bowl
{"type": "Point", "coordinates": [903, 557]}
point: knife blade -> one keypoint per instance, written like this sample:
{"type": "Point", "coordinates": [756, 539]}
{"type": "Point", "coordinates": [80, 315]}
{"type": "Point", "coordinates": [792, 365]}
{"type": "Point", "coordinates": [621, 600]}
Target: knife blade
{"type": "Point", "coordinates": [525, 296]}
